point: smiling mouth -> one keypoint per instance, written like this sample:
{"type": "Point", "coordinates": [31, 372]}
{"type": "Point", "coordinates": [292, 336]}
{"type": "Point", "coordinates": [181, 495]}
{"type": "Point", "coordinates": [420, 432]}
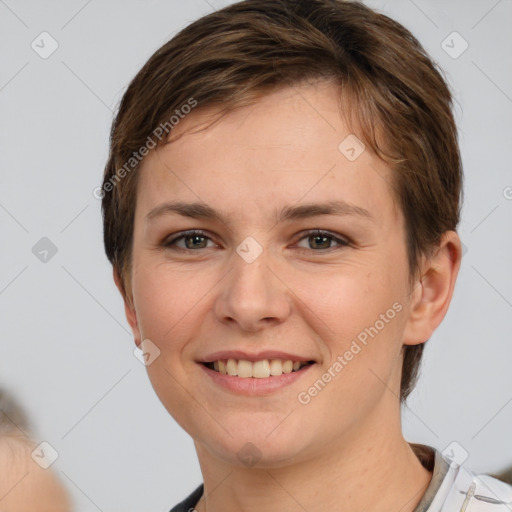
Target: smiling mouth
{"type": "Point", "coordinates": [256, 369]}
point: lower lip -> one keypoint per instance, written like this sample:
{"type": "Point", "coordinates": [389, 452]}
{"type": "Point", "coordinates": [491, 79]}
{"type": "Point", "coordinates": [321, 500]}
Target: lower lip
{"type": "Point", "coordinates": [252, 386]}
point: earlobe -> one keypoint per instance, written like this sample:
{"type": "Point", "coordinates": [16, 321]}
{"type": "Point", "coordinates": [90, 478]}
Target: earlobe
{"type": "Point", "coordinates": [433, 291]}
{"type": "Point", "coordinates": [129, 309]}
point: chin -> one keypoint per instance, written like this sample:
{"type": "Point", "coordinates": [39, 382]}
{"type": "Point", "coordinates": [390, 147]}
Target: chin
{"type": "Point", "coordinates": [268, 443]}
{"type": "Point", "coordinates": [256, 454]}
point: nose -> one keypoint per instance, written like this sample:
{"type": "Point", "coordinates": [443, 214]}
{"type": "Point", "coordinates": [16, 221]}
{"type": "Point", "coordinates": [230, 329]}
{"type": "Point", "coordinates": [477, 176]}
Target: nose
{"type": "Point", "coordinates": [252, 296]}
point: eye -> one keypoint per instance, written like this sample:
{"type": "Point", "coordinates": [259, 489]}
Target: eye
{"type": "Point", "coordinates": [192, 240]}
{"type": "Point", "coordinates": [196, 239]}
{"type": "Point", "coordinates": [319, 239]}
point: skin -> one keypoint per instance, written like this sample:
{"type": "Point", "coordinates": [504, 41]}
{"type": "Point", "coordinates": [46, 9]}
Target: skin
{"type": "Point", "coordinates": [300, 295]}
{"type": "Point", "coordinates": [24, 485]}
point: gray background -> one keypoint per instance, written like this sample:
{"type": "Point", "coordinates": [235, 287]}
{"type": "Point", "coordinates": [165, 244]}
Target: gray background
{"type": "Point", "coordinates": [65, 348]}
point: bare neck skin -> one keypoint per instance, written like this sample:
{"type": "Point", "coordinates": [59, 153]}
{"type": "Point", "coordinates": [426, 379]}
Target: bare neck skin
{"type": "Point", "coordinates": [370, 469]}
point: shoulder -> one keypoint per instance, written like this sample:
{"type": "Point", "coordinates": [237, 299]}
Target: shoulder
{"type": "Point", "coordinates": [473, 492]}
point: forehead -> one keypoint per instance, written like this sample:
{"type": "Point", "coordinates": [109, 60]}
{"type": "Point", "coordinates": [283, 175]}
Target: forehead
{"type": "Point", "coordinates": [289, 146]}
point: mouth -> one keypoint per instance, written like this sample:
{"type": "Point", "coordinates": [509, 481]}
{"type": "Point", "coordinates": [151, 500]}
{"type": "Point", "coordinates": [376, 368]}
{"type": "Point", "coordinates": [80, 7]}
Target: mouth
{"type": "Point", "coordinates": [261, 369]}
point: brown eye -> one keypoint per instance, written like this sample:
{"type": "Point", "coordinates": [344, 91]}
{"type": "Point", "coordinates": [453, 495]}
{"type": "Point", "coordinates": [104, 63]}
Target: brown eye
{"type": "Point", "coordinates": [318, 240]}
{"type": "Point", "coordinates": [195, 242]}
{"type": "Point", "coordinates": [192, 240]}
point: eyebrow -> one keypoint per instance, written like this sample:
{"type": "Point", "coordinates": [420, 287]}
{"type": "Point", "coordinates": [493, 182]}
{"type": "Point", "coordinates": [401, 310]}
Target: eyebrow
{"type": "Point", "coordinates": [199, 210]}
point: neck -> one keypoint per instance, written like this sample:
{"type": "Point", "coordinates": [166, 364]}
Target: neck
{"type": "Point", "coordinates": [379, 471]}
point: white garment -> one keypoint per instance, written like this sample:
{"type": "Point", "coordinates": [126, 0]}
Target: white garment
{"type": "Point", "coordinates": [464, 491]}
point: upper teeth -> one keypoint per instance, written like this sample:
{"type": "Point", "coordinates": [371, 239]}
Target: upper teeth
{"type": "Point", "coordinates": [257, 369]}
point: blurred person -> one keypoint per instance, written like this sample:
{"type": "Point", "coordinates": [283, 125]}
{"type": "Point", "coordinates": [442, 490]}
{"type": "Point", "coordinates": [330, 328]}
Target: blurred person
{"type": "Point", "coordinates": [24, 485]}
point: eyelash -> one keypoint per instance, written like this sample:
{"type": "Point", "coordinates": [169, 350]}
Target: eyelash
{"type": "Point", "coordinates": [307, 234]}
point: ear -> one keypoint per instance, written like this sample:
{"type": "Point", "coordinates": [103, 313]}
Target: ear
{"type": "Point", "coordinates": [129, 309]}
{"type": "Point", "coordinates": [432, 292]}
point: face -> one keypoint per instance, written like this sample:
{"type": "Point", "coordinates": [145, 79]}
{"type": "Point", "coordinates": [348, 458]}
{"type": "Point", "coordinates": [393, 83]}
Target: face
{"type": "Point", "coordinates": [297, 253]}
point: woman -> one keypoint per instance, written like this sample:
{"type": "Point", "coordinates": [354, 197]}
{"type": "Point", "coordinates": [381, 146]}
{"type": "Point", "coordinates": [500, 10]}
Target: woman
{"type": "Point", "coordinates": [280, 209]}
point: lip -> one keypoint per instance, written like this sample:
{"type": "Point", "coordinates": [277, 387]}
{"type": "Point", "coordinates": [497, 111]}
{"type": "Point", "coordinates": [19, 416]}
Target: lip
{"type": "Point", "coordinates": [251, 386]}
{"type": "Point", "coordinates": [259, 356]}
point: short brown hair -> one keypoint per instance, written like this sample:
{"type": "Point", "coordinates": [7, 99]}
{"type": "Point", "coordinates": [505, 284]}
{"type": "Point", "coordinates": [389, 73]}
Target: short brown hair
{"type": "Point", "coordinates": [402, 107]}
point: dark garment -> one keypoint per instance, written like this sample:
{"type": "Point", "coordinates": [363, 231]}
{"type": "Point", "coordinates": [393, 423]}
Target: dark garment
{"type": "Point", "coordinates": [430, 458]}
{"type": "Point", "coordinates": [188, 504]}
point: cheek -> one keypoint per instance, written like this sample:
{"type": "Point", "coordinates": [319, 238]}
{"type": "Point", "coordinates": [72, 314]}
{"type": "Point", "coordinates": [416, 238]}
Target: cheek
{"type": "Point", "coordinates": [348, 300]}
{"type": "Point", "coordinates": [362, 316]}
{"type": "Point", "coordinates": [166, 301]}
{"type": "Point", "coordinates": [170, 306]}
